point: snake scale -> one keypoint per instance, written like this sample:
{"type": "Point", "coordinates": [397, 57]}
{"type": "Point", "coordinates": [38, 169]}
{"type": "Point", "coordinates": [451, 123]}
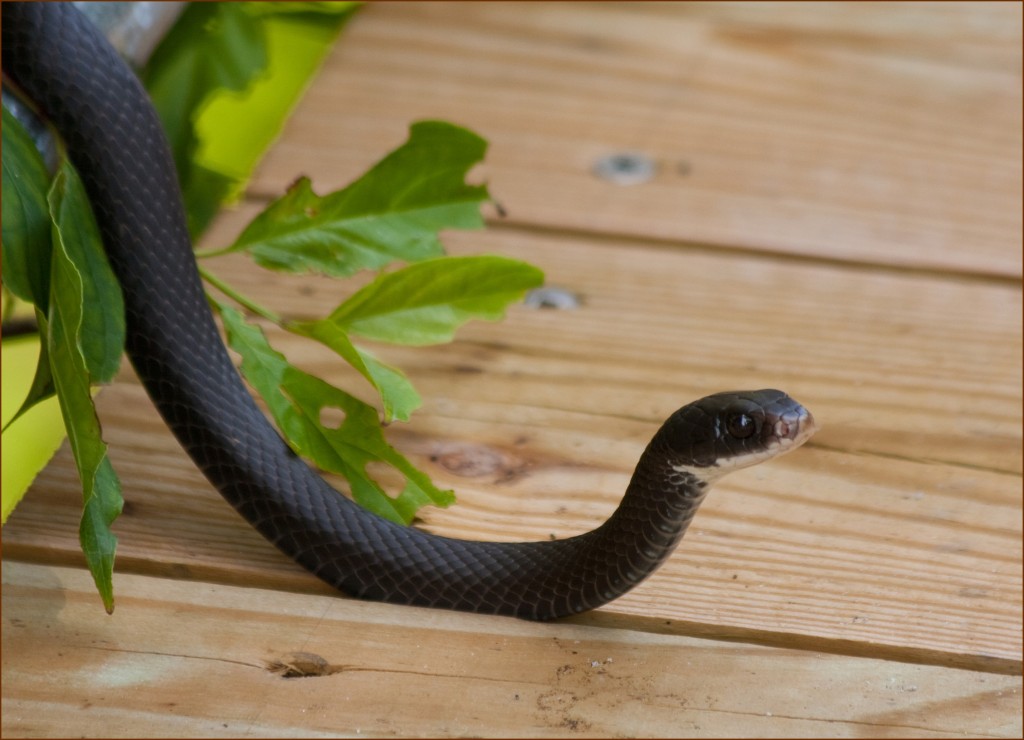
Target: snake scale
{"type": "Point", "coordinates": [113, 136]}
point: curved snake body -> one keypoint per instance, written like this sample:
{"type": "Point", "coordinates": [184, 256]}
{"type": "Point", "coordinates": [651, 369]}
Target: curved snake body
{"type": "Point", "coordinates": [114, 138]}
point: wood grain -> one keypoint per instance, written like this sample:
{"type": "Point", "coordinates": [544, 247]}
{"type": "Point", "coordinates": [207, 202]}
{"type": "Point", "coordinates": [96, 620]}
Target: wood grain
{"type": "Point", "coordinates": [897, 528]}
{"type": "Point", "coordinates": [375, 670]}
{"type": "Point", "coordinates": [836, 212]}
{"type": "Point", "coordinates": [883, 134]}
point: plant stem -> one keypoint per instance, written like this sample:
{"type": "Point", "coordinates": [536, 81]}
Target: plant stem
{"type": "Point", "coordinates": [215, 252]}
{"type": "Point", "coordinates": [241, 300]}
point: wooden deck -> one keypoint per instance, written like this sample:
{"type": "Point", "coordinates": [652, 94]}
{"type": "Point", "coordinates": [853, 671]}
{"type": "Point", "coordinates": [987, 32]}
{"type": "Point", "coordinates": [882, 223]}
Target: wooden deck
{"type": "Point", "coordinates": [836, 212]}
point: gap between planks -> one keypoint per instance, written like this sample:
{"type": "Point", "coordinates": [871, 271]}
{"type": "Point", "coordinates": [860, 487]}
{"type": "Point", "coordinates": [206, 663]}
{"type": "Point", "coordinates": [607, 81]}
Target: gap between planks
{"type": "Point", "coordinates": [301, 583]}
{"type": "Point", "coordinates": [379, 669]}
{"type": "Point", "coordinates": [740, 250]}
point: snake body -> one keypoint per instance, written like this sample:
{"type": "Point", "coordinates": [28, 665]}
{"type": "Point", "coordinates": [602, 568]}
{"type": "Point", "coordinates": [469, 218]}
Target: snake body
{"type": "Point", "coordinates": [114, 138]}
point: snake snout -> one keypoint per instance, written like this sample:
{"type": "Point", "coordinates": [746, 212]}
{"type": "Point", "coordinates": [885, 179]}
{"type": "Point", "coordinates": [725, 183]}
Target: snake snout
{"type": "Point", "coordinates": [794, 427]}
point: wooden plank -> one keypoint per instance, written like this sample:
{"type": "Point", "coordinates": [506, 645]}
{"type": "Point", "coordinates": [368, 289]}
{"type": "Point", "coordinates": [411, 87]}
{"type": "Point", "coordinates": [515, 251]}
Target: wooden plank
{"type": "Point", "coordinates": [898, 529]}
{"type": "Point", "coordinates": [883, 134]}
{"type": "Point", "coordinates": [195, 659]}
{"type": "Point", "coordinates": [801, 140]}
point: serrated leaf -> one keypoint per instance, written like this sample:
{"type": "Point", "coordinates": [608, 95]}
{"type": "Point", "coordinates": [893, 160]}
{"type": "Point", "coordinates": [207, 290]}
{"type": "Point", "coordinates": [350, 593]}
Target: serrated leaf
{"type": "Point", "coordinates": [101, 489]}
{"type": "Point", "coordinates": [297, 402]}
{"type": "Point", "coordinates": [424, 303]}
{"type": "Point", "coordinates": [397, 395]}
{"type": "Point", "coordinates": [393, 212]}
{"type": "Point", "coordinates": [26, 218]}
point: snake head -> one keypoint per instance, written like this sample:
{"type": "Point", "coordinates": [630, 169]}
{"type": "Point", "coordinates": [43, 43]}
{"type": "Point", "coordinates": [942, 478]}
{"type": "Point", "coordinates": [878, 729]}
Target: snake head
{"type": "Point", "coordinates": [728, 431]}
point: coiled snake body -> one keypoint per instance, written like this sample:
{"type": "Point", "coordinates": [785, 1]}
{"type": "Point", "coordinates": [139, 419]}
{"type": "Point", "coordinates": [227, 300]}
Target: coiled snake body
{"type": "Point", "coordinates": [114, 138]}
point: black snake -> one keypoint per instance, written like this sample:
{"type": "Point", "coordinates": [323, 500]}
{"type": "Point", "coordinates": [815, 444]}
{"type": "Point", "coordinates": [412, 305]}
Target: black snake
{"type": "Point", "coordinates": [112, 134]}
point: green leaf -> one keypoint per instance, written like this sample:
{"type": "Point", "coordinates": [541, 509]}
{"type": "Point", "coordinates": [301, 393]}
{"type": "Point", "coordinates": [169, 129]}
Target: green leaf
{"type": "Point", "coordinates": [26, 220]}
{"type": "Point", "coordinates": [400, 399]}
{"type": "Point", "coordinates": [101, 336]}
{"type": "Point", "coordinates": [212, 46]}
{"type": "Point", "coordinates": [393, 212]}
{"type": "Point", "coordinates": [298, 401]}
{"type": "Point", "coordinates": [424, 303]}
{"type": "Point", "coordinates": [102, 333]}
{"type": "Point", "coordinates": [397, 394]}
{"type": "Point", "coordinates": [64, 329]}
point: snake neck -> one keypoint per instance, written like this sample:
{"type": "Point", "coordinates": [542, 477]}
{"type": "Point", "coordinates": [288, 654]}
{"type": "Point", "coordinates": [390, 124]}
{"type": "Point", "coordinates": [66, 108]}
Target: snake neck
{"type": "Point", "coordinates": [591, 569]}
{"type": "Point", "coordinates": [660, 502]}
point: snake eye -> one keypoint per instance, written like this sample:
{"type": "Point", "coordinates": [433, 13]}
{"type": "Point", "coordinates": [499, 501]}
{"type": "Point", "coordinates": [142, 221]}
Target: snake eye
{"type": "Point", "coordinates": [740, 426]}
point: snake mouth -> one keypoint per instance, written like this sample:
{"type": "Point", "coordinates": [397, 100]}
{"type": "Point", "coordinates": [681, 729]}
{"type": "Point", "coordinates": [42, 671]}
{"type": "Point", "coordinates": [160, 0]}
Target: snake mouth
{"type": "Point", "coordinates": [793, 428]}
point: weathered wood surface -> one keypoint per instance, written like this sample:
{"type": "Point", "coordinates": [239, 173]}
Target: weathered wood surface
{"type": "Point", "coordinates": [881, 133]}
{"type": "Point", "coordinates": [849, 230]}
{"type": "Point", "coordinates": [897, 526]}
{"type": "Point", "coordinates": [377, 670]}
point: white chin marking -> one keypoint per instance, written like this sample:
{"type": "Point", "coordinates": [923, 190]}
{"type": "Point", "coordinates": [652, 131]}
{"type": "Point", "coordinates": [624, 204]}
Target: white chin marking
{"type": "Point", "coordinates": [724, 465]}
{"type": "Point", "coordinates": [706, 475]}
{"type": "Point", "coordinates": [788, 436]}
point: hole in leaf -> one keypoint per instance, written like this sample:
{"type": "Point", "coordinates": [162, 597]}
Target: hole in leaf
{"type": "Point", "coordinates": [331, 417]}
{"type": "Point", "coordinates": [392, 481]}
